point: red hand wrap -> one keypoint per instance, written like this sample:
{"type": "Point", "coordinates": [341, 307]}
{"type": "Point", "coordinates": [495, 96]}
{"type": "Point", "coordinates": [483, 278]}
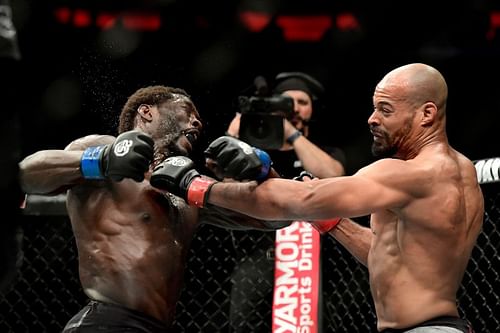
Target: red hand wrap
{"type": "Point", "coordinates": [198, 190]}
{"type": "Point", "coordinates": [325, 226]}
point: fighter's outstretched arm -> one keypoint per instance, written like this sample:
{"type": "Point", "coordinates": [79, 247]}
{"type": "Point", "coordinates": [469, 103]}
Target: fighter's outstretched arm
{"type": "Point", "coordinates": [381, 186]}
{"type": "Point", "coordinates": [385, 185]}
{"type": "Point", "coordinates": [94, 158]}
{"type": "Point", "coordinates": [49, 171]}
{"type": "Point", "coordinates": [54, 171]}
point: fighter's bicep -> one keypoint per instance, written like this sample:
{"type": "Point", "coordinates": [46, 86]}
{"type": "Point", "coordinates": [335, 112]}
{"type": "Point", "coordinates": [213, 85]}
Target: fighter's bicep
{"type": "Point", "coordinates": [372, 194]}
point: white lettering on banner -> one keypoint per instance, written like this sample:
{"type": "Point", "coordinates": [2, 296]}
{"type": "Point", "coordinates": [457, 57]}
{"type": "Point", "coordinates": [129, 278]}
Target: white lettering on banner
{"type": "Point", "coordinates": [282, 326]}
{"type": "Point", "coordinates": [288, 234]}
{"type": "Point", "coordinates": [488, 170]}
{"type": "Point", "coordinates": [287, 313]}
{"type": "Point", "coordinates": [305, 262]}
{"type": "Point", "coordinates": [296, 287]}
{"type": "Point", "coordinates": [287, 251]}
{"type": "Point", "coordinates": [287, 268]}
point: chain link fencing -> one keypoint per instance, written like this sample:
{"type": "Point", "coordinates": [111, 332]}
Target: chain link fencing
{"type": "Point", "coordinates": [47, 292]}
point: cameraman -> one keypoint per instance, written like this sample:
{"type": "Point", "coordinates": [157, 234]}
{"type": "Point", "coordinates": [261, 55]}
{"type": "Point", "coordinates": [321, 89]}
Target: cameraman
{"type": "Point", "coordinates": [298, 153]}
{"type": "Point", "coordinates": [253, 276]}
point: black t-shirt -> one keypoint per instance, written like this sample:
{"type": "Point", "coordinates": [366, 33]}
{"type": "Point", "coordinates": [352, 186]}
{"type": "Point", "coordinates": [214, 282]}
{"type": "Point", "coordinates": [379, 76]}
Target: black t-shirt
{"type": "Point", "coordinates": [288, 165]}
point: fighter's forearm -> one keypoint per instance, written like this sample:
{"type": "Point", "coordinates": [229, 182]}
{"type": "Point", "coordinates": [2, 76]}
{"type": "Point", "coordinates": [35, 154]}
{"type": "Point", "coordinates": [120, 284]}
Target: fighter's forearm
{"type": "Point", "coordinates": [45, 172]}
{"type": "Point", "coordinates": [354, 237]}
{"type": "Point", "coordinates": [282, 199]}
{"type": "Point", "coordinates": [230, 219]}
{"type": "Point", "coordinates": [248, 198]}
{"type": "Point", "coordinates": [229, 196]}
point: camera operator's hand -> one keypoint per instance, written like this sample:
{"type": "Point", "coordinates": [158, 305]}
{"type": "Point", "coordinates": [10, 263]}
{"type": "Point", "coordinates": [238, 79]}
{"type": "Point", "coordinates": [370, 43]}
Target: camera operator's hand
{"type": "Point", "coordinates": [229, 157]}
{"type": "Point", "coordinates": [234, 126]}
{"type": "Point", "coordinates": [290, 133]}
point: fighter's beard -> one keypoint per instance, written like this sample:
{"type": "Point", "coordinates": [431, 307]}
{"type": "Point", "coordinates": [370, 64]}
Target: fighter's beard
{"type": "Point", "coordinates": [166, 147]}
{"type": "Point", "coordinates": [391, 146]}
{"type": "Point", "coordinates": [380, 151]}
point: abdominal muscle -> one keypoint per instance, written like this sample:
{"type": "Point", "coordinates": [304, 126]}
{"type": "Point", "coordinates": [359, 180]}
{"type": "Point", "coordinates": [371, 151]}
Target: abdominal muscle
{"type": "Point", "coordinates": [132, 252]}
{"type": "Point", "coordinates": [407, 286]}
{"type": "Point", "coordinates": [400, 303]}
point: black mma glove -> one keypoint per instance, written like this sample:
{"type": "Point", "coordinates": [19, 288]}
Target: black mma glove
{"type": "Point", "coordinates": [178, 176]}
{"type": "Point", "coordinates": [238, 160]}
{"type": "Point", "coordinates": [128, 157]}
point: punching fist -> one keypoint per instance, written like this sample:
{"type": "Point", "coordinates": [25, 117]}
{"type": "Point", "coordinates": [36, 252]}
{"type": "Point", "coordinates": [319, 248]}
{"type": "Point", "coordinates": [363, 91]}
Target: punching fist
{"type": "Point", "coordinates": [128, 157]}
{"type": "Point", "coordinates": [238, 160]}
{"type": "Point", "coordinates": [178, 176]}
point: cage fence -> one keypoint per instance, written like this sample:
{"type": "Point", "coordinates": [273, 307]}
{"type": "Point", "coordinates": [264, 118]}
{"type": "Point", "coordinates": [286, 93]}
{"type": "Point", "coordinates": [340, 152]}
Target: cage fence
{"type": "Point", "coordinates": [47, 293]}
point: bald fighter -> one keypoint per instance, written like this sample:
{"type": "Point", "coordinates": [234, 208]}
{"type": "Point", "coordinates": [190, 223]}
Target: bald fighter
{"type": "Point", "coordinates": [132, 238]}
{"type": "Point", "coordinates": [425, 203]}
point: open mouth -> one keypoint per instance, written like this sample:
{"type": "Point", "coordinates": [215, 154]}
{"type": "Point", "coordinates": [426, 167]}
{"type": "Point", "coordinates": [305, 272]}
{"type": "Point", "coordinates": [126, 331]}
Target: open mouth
{"type": "Point", "coordinates": [376, 134]}
{"type": "Point", "coordinates": [192, 135]}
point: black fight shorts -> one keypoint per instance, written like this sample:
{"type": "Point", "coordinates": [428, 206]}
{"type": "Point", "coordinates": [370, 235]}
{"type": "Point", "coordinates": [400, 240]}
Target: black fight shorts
{"type": "Point", "coordinates": [105, 317]}
{"type": "Point", "coordinates": [438, 324]}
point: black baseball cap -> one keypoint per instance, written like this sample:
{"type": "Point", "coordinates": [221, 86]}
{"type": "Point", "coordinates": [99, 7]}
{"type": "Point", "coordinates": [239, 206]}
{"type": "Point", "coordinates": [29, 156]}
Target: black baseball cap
{"type": "Point", "coordinates": [298, 81]}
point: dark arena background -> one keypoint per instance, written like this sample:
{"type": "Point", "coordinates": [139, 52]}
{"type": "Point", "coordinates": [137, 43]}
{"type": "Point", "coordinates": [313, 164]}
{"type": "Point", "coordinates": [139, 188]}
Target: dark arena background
{"type": "Point", "coordinates": [80, 60]}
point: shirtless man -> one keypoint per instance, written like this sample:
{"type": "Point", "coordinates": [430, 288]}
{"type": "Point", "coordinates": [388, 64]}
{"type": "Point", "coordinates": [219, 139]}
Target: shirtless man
{"type": "Point", "coordinates": [423, 196]}
{"type": "Point", "coordinates": [133, 239]}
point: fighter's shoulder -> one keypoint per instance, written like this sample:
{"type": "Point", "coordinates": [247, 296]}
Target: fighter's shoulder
{"type": "Point", "coordinates": [466, 167]}
{"type": "Point", "coordinates": [89, 140]}
{"type": "Point", "coordinates": [463, 160]}
{"type": "Point", "coordinates": [385, 165]}
{"type": "Point", "coordinates": [403, 174]}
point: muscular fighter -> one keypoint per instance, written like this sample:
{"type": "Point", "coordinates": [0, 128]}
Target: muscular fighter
{"type": "Point", "coordinates": [423, 196]}
{"type": "Point", "coordinates": [132, 238]}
